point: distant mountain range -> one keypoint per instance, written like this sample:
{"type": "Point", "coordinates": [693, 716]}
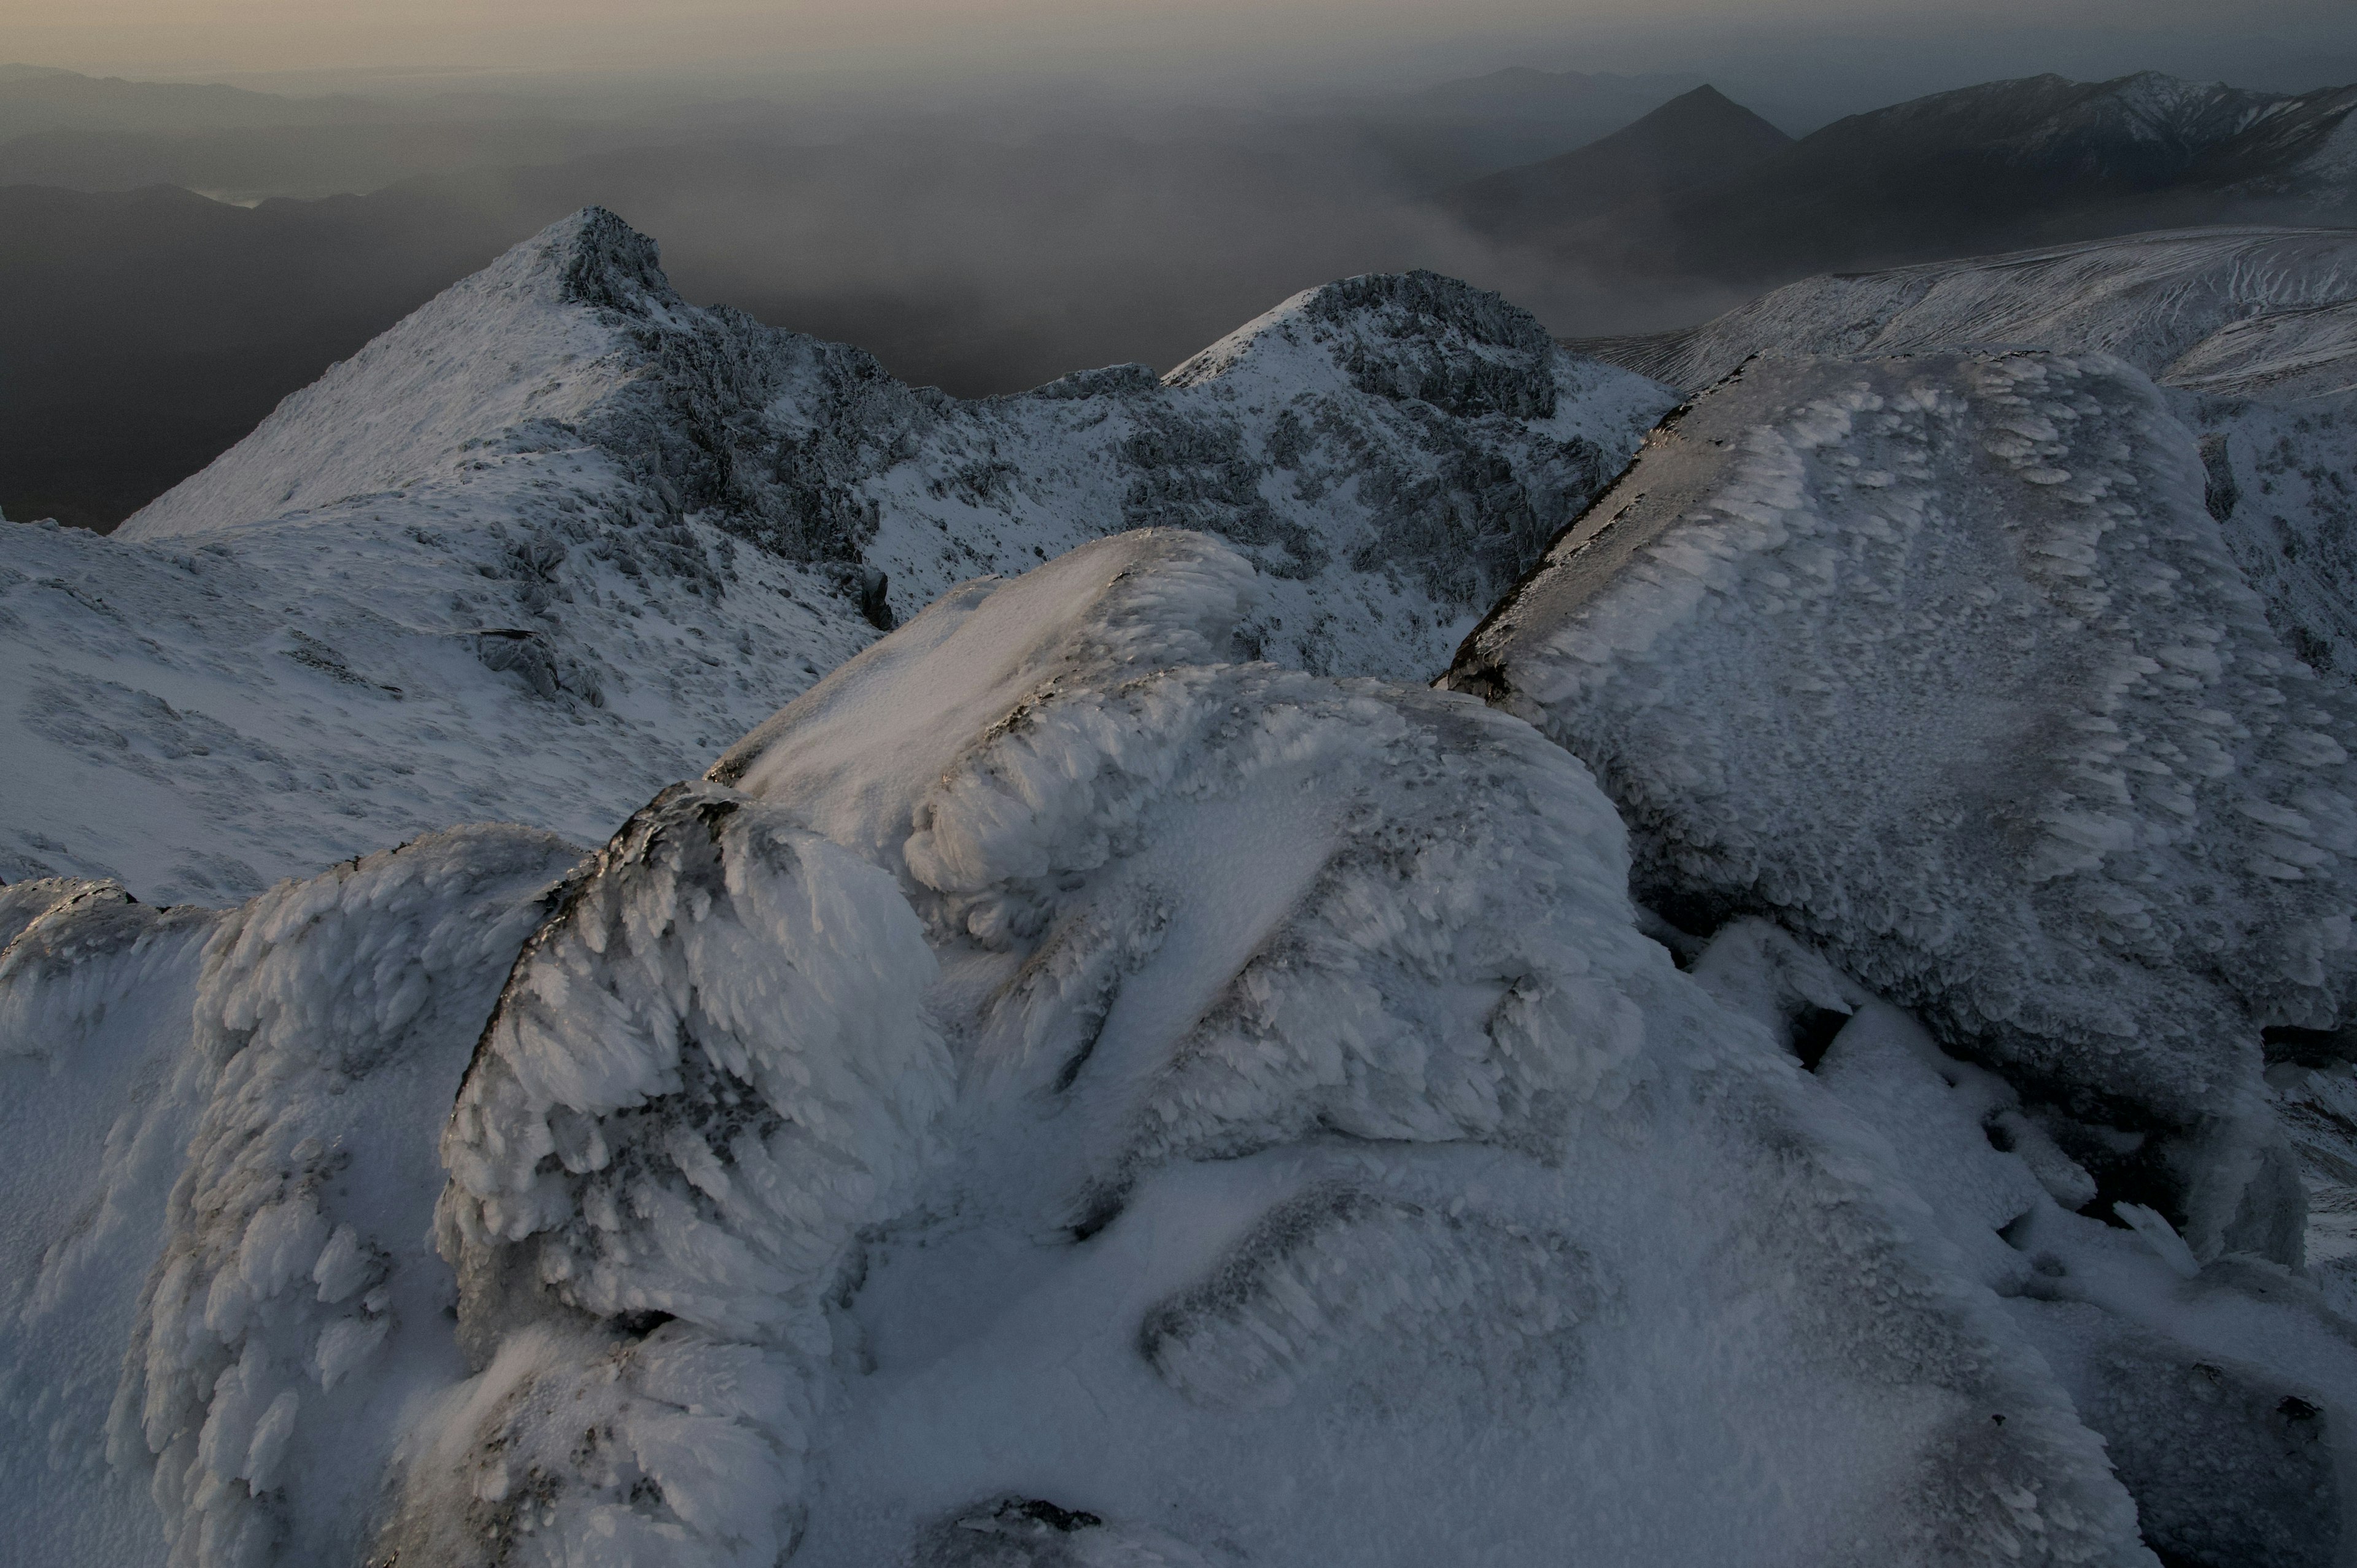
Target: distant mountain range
{"type": "Point", "coordinates": [1700, 189]}
{"type": "Point", "coordinates": [37, 97]}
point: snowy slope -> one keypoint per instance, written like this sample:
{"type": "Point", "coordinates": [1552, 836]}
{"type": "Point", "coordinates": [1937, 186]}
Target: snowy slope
{"type": "Point", "coordinates": [558, 537]}
{"type": "Point", "coordinates": [2154, 300]}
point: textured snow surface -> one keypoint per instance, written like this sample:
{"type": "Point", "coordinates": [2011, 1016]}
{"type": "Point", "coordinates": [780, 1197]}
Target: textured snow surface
{"type": "Point", "coordinates": [557, 538]}
{"type": "Point", "coordinates": [1137, 1110]}
{"type": "Point", "coordinates": [221, 1131]}
{"type": "Point", "coordinates": [2252, 332]}
{"type": "Point", "coordinates": [2247, 311]}
{"type": "Point", "coordinates": [1942, 661]}
{"type": "Point", "coordinates": [1057, 1093]}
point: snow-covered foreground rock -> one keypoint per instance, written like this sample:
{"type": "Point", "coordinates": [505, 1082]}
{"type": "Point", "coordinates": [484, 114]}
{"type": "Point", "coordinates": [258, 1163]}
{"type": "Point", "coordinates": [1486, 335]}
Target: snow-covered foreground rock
{"type": "Point", "coordinates": [1942, 662]}
{"type": "Point", "coordinates": [559, 537]}
{"type": "Point", "coordinates": [1058, 1094]}
{"type": "Point", "coordinates": [2251, 333]}
{"type": "Point", "coordinates": [219, 1181]}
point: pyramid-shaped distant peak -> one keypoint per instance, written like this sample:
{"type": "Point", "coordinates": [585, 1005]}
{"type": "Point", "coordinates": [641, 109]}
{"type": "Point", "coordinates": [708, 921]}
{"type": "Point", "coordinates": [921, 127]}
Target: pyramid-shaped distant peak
{"type": "Point", "coordinates": [1697, 135]}
{"type": "Point", "coordinates": [1704, 114]}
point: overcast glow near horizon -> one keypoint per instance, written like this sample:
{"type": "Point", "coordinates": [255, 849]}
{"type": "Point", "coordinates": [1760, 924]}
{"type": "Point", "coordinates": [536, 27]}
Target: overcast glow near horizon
{"type": "Point", "coordinates": [157, 36]}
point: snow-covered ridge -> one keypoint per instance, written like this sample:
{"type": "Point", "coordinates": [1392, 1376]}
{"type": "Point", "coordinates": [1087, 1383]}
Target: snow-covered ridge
{"type": "Point", "coordinates": [2157, 300]}
{"type": "Point", "coordinates": [559, 537]}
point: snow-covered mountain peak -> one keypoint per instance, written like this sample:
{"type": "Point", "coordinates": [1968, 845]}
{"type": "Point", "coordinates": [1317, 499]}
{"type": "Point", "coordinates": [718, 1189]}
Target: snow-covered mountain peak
{"type": "Point", "coordinates": [1406, 336]}
{"type": "Point", "coordinates": [511, 344]}
{"type": "Point", "coordinates": [570, 348]}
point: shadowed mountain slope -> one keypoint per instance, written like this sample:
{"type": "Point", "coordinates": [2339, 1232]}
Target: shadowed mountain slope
{"type": "Point", "coordinates": [1699, 136]}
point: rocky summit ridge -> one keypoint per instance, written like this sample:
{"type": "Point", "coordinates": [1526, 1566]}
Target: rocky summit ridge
{"type": "Point", "coordinates": [558, 513]}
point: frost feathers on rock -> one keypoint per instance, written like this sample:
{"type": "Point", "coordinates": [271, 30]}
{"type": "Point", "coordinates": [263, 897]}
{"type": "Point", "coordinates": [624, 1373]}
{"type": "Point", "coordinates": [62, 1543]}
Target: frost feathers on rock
{"type": "Point", "coordinates": [222, 1130]}
{"type": "Point", "coordinates": [1942, 661]}
{"type": "Point", "coordinates": [1173, 1074]}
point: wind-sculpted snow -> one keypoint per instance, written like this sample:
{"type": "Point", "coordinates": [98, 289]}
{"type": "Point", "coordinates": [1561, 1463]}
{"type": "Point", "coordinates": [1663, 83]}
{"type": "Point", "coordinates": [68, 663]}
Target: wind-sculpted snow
{"type": "Point", "coordinates": [2221, 1390]}
{"type": "Point", "coordinates": [558, 537]}
{"type": "Point", "coordinates": [2234, 310]}
{"type": "Point", "coordinates": [2252, 332]}
{"type": "Point", "coordinates": [97, 1099]}
{"type": "Point", "coordinates": [239, 1110]}
{"type": "Point", "coordinates": [1118, 1108]}
{"type": "Point", "coordinates": [1941, 662]}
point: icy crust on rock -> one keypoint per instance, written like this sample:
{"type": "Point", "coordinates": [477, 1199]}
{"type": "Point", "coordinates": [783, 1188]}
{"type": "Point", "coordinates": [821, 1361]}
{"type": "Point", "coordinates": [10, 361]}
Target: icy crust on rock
{"type": "Point", "coordinates": [555, 538]}
{"type": "Point", "coordinates": [97, 1101]}
{"type": "Point", "coordinates": [2229, 310]}
{"type": "Point", "coordinates": [1150, 1077]}
{"type": "Point", "coordinates": [296, 1309]}
{"type": "Point", "coordinates": [222, 1133]}
{"type": "Point", "coordinates": [2221, 1392]}
{"type": "Point", "coordinates": [1942, 661]}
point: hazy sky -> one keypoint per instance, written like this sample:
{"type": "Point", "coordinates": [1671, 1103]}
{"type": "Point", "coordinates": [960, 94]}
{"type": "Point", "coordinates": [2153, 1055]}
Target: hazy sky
{"type": "Point", "coordinates": [184, 36]}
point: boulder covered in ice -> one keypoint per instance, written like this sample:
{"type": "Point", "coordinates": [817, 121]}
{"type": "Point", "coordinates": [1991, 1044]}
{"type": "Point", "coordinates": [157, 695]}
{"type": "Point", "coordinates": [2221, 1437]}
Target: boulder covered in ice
{"type": "Point", "coordinates": [1057, 1095]}
{"type": "Point", "coordinates": [1940, 662]}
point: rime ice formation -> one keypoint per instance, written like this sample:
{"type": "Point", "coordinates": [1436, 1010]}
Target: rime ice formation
{"type": "Point", "coordinates": [219, 1185]}
{"type": "Point", "coordinates": [1942, 661]}
{"type": "Point", "coordinates": [559, 537]}
{"type": "Point", "coordinates": [1046, 1086]}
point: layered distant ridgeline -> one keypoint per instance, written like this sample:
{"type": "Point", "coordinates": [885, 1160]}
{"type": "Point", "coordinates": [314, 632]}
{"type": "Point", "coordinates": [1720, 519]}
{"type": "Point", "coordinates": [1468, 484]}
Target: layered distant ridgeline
{"type": "Point", "coordinates": [1701, 190]}
{"type": "Point", "coordinates": [1694, 139]}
